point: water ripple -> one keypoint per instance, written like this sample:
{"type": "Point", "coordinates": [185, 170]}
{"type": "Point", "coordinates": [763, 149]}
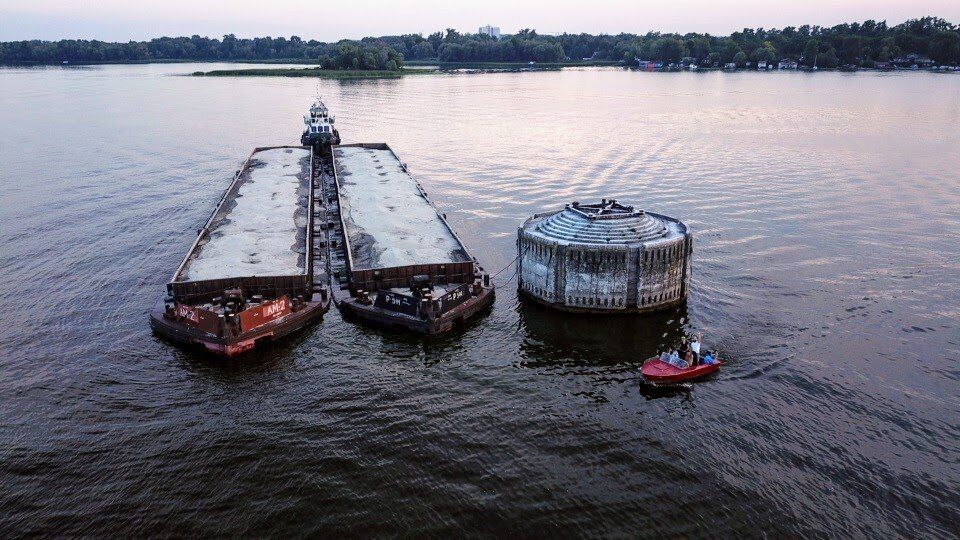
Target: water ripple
{"type": "Point", "coordinates": [826, 270]}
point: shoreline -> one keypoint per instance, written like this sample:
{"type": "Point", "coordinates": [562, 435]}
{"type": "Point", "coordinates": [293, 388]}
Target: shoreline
{"type": "Point", "coordinates": [311, 72]}
{"type": "Point", "coordinates": [952, 69]}
{"type": "Point", "coordinates": [480, 69]}
{"type": "Point", "coordinates": [494, 65]}
{"type": "Point", "coordinates": [421, 67]}
{"type": "Point", "coordinates": [283, 61]}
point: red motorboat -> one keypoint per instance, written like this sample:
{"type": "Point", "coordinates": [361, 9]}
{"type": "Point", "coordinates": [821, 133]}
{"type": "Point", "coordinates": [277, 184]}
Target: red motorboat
{"type": "Point", "coordinates": [658, 371]}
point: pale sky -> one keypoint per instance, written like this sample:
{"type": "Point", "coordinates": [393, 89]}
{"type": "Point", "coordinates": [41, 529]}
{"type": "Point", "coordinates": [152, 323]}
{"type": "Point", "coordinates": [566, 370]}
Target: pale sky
{"type": "Point", "coordinates": [122, 20]}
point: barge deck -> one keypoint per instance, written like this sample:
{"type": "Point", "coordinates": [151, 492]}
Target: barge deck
{"type": "Point", "coordinates": [393, 258]}
{"type": "Point", "coordinates": [253, 274]}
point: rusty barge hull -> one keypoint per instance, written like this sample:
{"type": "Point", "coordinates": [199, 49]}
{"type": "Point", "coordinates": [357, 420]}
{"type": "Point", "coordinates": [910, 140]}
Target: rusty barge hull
{"type": "Point", "coordinates": [187, 335]}
{"type": "Point", "coordinates": [406, 271]}
{"type": "Point", "coordinates": [252, 275]}
{"type": "Point", "coordinates": [449, 321]}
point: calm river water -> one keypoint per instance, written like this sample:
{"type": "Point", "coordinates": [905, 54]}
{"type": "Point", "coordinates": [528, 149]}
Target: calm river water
{"type": "Point", "coordinates": [826, 210]}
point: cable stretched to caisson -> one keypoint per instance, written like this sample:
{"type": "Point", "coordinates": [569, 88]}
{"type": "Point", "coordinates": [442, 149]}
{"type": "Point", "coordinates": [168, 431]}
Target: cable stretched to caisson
{"type": "Point", "coordinates": [509, 264]}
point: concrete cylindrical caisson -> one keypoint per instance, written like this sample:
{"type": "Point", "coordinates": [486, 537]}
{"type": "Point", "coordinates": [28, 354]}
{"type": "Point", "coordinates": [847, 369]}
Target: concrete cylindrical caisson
{"type": "Point", "coordinates": [604, 258]}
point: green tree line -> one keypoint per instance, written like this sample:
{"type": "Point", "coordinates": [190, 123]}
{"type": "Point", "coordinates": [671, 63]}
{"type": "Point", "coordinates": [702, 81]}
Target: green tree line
{"type": "Point", "coordinates": [853, 43]}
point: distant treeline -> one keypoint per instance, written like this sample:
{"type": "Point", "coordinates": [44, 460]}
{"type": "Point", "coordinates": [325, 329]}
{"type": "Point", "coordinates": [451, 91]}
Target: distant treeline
{"type": "Point", "coordinates": [366, 55]}
{"type": "Point", "coordinates": [855, 43]}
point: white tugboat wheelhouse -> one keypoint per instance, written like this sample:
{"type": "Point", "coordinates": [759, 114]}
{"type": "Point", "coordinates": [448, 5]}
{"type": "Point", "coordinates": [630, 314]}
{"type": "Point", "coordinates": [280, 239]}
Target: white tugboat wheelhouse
{"type": "Point", "coordinates": [320, 129]}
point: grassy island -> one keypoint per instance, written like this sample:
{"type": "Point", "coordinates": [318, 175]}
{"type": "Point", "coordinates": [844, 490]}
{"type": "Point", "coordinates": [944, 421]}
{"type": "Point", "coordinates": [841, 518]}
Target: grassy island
{"type": "Point", "coordinates": [309, 72]}
{"type": "Point", "coordinates": [347, 61]}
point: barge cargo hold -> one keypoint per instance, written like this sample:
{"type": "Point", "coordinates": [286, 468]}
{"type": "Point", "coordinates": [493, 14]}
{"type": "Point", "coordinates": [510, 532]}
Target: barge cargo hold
{"type": "Point", "coordinates": [250, 275]}
{"type": "Point", "coordinates": [394, 259]}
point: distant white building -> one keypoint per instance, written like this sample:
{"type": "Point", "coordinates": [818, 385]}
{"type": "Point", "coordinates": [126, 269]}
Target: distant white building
{"type": "Point", "coordinates": [492, 31]}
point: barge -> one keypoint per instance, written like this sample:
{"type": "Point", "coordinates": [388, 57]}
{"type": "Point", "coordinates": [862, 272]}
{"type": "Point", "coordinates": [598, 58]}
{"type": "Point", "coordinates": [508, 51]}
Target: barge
{"type": "Point", "coordinates": [393, 258]}
{"type": "Point", "coordinates": [252, 275]}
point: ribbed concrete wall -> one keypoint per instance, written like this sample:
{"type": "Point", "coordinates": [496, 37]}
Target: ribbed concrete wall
{"type": "Point", "coordinates": [574, 262]}
{"type": "Point", "coordinates": [538, 270]}
{"type": "Point", "coordinates": [664, 273]}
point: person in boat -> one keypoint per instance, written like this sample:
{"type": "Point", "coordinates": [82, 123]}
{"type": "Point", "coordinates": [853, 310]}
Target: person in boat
{"type": "Point", "coordinates": [689, 352]}
{"type": "Point", "coordinates": [710, 358]}
{"type": "Point", "coordinates": [673, 358]}
{"type": "Point", "coordinates": [695, 347]}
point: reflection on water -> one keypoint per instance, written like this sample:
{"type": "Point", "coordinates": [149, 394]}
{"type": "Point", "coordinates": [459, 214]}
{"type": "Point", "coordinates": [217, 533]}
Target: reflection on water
{"type": "Point", "coordinates": [657, 391]}
{"type": "Point", "coordinates": [557, 338]}
{"type": "Point", "coordinates": [826, 218]}
{"type": "Point", "coordinates": [273, 356]}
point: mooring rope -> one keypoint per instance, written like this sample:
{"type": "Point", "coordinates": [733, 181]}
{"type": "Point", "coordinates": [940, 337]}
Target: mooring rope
{"type": "Point", "coordinates": [515, 259]}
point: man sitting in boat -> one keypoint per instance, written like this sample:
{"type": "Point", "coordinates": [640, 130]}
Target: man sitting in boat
{"type": "Point", "coordinates": [710, 358]}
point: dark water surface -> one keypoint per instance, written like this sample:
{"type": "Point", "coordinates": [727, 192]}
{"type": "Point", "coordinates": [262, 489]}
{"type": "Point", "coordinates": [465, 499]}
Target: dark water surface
{"type": "Point", "coordinates": [826, 210]}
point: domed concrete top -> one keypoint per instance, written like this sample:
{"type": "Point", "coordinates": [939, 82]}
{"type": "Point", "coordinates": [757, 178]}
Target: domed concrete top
{"type": "Point", "coordinates": [606, 223]}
